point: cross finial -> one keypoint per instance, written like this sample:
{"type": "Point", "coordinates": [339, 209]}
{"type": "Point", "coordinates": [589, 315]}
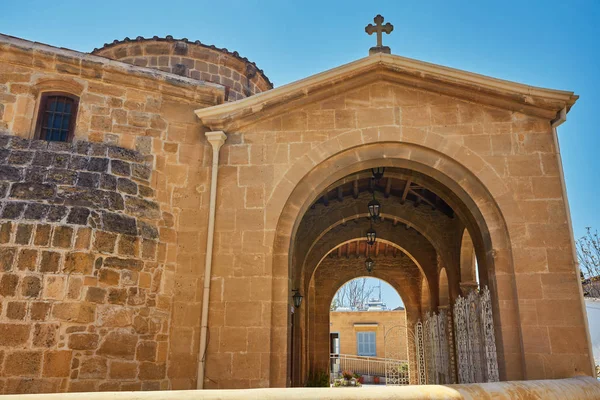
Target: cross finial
{"type": "Point", "coordinates": [379, 28]}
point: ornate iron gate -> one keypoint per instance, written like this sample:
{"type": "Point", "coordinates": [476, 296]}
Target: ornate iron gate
{"type": "Point", "coordinates": [472, 339]}
{"type": "Point", "coordinates": [397, 369]}
{"type": "Point", "coordinates": [436, 350]}
{"type": "Point", "coordinates": [476, 344]}
{"type": "Point", "coordinates": [421, 365]}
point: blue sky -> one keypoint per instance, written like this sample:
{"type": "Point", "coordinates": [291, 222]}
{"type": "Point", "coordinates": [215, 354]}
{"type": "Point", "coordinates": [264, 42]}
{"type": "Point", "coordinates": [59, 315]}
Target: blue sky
{"type": "Point", "coordinates": [549, 43]}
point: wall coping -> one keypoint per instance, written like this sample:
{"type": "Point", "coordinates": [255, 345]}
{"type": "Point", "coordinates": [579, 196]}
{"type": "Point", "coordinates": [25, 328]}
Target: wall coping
{"type": "Point", "coordinates": [580, 388]}
{"type": "Point", "coordinates": [26, 51]}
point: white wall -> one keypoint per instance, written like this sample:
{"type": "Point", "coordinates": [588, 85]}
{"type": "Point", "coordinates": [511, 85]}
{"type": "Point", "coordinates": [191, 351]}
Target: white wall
{"type": "Point", "coordinates": [593, 314]}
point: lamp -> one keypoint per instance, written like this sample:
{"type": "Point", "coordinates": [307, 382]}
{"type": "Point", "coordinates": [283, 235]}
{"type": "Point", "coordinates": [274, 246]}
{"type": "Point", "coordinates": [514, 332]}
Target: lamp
{"type": "Point", "coordinates": [378, 172]}
{"type": "Point", "coordinates": [371, 236]}
{"type": "Point", "coordinates": [297, 298]}
{"type": "Point", "coordinates": [374, 208]}
{"type": "Point", "coordinates": [369, 264]}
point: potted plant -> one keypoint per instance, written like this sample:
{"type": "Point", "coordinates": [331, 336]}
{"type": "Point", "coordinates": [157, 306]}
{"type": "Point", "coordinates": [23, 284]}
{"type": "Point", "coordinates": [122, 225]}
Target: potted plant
{"type": "Point", "coordinates": [359, 378]}
{"type": "Point", "coordinates": [348, 379]}
{"type": "Point", "coordinates": [376, 380]}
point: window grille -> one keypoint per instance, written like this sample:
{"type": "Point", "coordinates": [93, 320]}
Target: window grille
{"type": "Point", "coordinates": [56, 120]}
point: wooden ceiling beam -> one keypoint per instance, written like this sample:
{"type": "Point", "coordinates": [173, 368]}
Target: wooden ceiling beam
{"type": "Point", "coordinates": [421, 197]}
{"type": "Point", "coordinates": [405, 192]}
{"type": "Point", "coordinates": [388, 188]}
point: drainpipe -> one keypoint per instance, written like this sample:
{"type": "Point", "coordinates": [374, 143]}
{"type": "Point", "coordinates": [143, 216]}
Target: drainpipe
{"type": "Point", "coordinates": [216, 139]}
{"type": "Point", "coordinates": [555, 123]}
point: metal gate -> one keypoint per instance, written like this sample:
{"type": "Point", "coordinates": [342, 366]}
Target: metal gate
{"type": "Point", "coordinates": [420, 356]}
{"type": "Point", "coordinates": [435, 332]}
{"type": "Point", "coordinates": [475, 340]}
{"type": "Point", "coordinates": [397, 370]}
{"type": "Point", "coordinates": [468, 332]}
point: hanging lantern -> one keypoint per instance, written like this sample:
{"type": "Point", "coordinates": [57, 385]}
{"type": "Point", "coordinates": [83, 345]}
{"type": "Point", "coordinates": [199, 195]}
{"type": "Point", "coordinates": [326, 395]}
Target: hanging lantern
{"type": "Point", "coordinates": [371, 236]}
{"type": "Point", "coordinates": [378, 172]}
{"type": "Point", "coordinates": [369, 264]}
{"type": "Point", "coordinates": [374, 209]}
{"type": "Point", "coordinates": [297, 298]}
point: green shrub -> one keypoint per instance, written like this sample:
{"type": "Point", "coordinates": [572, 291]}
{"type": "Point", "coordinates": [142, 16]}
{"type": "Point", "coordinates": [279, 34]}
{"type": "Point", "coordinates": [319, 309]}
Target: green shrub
{"type": "Point", "coordinates": [317, 379]}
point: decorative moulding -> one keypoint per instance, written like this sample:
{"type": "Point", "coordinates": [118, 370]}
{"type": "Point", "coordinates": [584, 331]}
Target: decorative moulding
{"type": "Point", "coordinates": [530, 100]}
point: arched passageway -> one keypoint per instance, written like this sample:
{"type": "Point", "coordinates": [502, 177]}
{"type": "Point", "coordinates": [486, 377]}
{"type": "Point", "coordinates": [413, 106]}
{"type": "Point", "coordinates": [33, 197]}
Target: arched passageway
{"type": "Point", "coordinates": [367, 326]}
{"type": "Point", "coordinates": [423, 217]}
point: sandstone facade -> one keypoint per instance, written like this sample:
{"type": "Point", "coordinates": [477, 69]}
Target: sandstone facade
{"type": "Point", "coordinates": [195, 60]}
{"type": "Point", "coordinates": [103, 241]}
{"type": "Point", "coordinates": [348, 323]}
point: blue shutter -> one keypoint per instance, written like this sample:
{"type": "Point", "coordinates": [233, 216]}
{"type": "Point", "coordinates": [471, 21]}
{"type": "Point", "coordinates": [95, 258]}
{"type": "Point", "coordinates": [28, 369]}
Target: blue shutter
{"type": "Point", "coordinates": [366, 343]}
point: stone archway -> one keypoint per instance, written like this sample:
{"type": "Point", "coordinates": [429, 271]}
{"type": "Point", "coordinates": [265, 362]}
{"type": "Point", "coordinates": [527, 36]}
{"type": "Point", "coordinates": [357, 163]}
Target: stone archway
{"type": "Point", "coordinates": [456, 185]}
{"type": "Point", "coordinates": [400, 272]}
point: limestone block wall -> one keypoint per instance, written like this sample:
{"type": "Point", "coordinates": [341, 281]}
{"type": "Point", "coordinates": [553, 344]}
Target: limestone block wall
{"type": "Point", "coordinates": [195, 60]}
{"type": "Point", "coordinates": [343, 322]}
{"type": "Point", "coordinates": [81, 269]}
{"type": "Point", "coordinates": [279, 160]}
{"type": "Point", "coordinates": [119, 104]}
{"type": "Point", "coordinates": [152, 112]}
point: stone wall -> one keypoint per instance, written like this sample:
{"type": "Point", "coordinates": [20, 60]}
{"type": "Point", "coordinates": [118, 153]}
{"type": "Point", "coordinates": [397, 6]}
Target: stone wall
{"type": "Point", "coordinates": [343, 322]}
{"type": "Point", "coordinates": [119, 104]}
{"type": "Point", "coordinates": [81, 268]}
{"type": "Point", "coordinates": [580, 388]}
{"type": "Point", "coordinates": [151, 111]}
{"type": "Point", "coordinates": [195, 60]}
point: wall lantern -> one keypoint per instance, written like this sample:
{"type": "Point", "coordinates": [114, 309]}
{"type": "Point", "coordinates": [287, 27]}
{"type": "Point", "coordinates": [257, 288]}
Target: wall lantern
{"type": "Point", "coordinates": [371, 236]}
{"type": "Point", "coordinates": [297, 298]}
{"type": "Point", "coordinates": [378, 172]}
{"type": "Point", "coordinates": [369, 264]}
{"type": "Point", "coordinates": [374, 209]}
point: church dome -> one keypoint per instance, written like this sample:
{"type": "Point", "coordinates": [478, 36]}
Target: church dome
{"type": "Point", "coordinates": [241, 77]}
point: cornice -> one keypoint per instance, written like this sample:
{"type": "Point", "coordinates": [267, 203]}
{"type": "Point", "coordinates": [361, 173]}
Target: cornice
{"type": "Point", "coordinates": [530, 100]}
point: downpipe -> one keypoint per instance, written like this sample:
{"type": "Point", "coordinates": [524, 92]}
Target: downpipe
{"type": "Point", "coordinates": [216, 139]}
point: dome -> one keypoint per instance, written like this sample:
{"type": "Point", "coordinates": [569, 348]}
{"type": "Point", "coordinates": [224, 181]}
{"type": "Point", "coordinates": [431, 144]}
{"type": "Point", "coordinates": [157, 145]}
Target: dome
{"type": "Point", "coordinates": [241, 77]}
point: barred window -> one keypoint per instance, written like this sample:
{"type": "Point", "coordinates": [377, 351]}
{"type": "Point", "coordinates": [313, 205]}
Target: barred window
{"type": "Point", "coordinates": [56, 119]}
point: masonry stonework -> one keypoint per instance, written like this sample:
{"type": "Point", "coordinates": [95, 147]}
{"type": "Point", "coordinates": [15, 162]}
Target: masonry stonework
{"type": "Point", "coordinates": [82, 268]}
{"type": "Point", "coordinates": [103, 240]}
{"type": "Point", "coordinates": [195, 60]}
{"type": "Point", "coordinates": [348, 323]}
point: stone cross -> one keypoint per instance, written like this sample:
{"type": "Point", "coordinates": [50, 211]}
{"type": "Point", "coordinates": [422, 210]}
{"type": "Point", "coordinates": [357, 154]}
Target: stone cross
{"type": "Point", "coordinates": [379, 28]}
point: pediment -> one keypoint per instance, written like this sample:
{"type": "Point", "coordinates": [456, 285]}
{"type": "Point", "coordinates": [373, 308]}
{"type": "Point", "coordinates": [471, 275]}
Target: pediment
{"type": "Point", "coordinates": [480, 89]}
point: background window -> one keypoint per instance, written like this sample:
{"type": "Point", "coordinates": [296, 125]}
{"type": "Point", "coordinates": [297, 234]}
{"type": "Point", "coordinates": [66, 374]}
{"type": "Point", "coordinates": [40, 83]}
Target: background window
{"type": "Point", "coordinates": [56, 119]}
{"type": "Point", "coordinates": [366, 343]}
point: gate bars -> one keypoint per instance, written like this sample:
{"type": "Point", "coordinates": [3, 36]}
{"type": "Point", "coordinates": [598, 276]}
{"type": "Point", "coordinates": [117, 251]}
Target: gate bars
{"type": "Point", "coordinates": [471, 336]}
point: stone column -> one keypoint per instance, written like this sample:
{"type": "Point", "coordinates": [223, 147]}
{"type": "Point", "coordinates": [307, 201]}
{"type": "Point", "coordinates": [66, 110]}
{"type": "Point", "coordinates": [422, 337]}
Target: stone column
{"type": "Point", "coordinates": [468, 287]}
